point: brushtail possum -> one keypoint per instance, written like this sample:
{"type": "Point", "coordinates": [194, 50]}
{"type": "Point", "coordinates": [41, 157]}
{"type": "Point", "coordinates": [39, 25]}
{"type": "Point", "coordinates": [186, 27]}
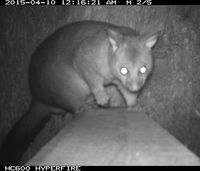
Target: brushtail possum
{"type": "Point", "coordinates": [76, 62]}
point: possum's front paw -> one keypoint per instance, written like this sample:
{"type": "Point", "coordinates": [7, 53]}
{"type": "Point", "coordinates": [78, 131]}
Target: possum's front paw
{"type": "Point", "coordinates": [137, 108]}
{"type": "Point", "coordinates": [130, 98]}
{"type": "Point", "coordinates": [101, 98]}
{"type": "Point", "coordinates": [115, 97]}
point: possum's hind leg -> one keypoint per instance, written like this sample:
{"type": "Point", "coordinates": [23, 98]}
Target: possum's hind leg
{"type": "Point", "coordinates": [23, 133]}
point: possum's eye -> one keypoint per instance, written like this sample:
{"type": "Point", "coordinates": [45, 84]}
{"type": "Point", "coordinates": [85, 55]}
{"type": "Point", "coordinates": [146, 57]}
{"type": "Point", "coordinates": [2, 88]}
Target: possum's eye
{"type": "Point", "coordinates": [124, 70]}
{"type": "Point", "coordinates": [142, 70]}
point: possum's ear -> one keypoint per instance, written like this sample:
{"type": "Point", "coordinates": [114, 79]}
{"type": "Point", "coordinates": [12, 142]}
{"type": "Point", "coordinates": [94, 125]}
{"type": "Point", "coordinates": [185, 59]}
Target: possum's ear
{"type": "Point", "coordinates": [114, 38]}
{"type": "Point", "coordinates": [149, 40]}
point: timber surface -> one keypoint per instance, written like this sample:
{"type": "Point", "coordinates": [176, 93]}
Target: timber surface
{"type": "Point", "coordinates": [113, 137]}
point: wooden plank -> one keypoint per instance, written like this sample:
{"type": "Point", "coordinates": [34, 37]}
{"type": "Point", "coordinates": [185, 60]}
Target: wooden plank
{"type": "Point", "coordinates": [114, 137]}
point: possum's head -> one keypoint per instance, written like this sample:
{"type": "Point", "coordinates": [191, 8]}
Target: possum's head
{"type": "Point", "coordinates": [131, 58]}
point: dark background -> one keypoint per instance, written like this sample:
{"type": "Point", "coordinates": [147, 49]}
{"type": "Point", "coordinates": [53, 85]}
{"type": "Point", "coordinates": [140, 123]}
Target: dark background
{"type": "Point", "coordinates": [172, 94]}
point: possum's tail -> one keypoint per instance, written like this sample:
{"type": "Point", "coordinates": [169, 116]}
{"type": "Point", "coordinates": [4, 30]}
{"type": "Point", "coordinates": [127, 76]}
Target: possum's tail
{"type": "Point", "coordinates": [23, 133]}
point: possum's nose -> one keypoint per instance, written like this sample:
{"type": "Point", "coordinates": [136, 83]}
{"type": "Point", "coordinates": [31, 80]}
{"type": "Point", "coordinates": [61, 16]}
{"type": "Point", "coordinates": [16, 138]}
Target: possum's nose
{"type": "Point", "coordinates": [136, 86]}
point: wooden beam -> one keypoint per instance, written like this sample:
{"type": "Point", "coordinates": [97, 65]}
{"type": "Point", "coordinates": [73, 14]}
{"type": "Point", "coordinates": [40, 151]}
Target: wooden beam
{"type": "Point", "coordinates": [114, 137]}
